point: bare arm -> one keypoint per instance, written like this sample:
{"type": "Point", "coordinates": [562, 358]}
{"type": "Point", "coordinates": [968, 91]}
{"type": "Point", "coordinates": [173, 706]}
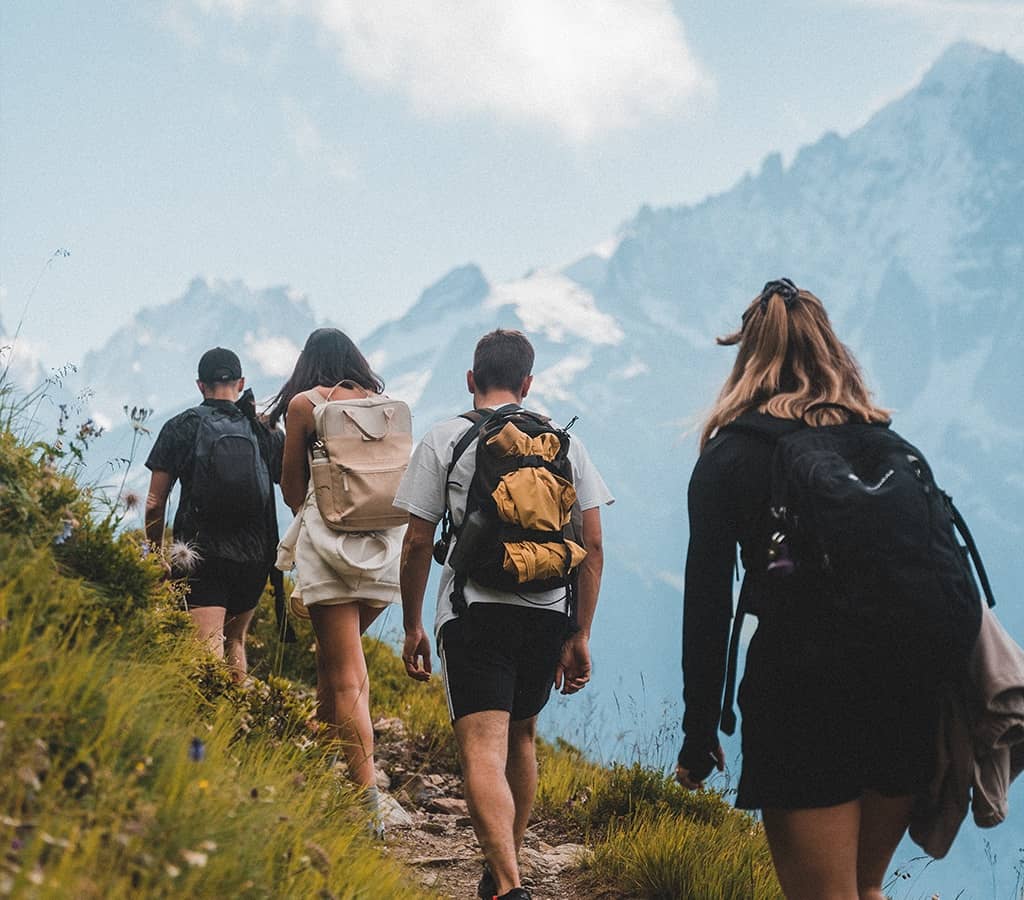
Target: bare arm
{"type": "Point", "coordinates": [160, 484]}
{"type": "Point", "coordinates": [294, 467]}
{"type": "Point", "coordinates": [416, 555]}
{"type": "Point", "coordinates": [573, 670]}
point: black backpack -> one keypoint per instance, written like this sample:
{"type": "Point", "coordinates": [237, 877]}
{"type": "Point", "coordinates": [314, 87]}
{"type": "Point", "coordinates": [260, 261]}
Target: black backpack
{"type": "Point", "coordinates": [856, 514]}
{"type": "Point", "coordinates": [230, 478]}
{"type": "Point", "coordinates": [479, 552]}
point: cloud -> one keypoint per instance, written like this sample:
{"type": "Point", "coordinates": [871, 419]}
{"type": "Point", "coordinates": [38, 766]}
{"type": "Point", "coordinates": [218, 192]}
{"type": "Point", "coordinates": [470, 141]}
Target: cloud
{"type": "Point", "coordinates": [995, 23]}
{"type": "Point", "coordinates": [313, 148]}
{"type": "Point", "coordinates": [271, 355]}
{"type": "Point", "coordinates": [581, 68]}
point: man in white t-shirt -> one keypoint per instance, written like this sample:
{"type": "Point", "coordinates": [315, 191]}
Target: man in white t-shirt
{"type": "Point", "coordinates": [502, 655]}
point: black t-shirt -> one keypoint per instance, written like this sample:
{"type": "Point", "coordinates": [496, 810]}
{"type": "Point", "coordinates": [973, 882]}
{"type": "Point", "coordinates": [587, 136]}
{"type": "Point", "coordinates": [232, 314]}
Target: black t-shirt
{"type": "Point", "coordinates": [174, 452]}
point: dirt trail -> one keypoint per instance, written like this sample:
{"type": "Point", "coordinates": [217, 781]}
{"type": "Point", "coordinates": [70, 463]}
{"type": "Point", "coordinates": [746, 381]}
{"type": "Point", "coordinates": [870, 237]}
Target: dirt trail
{"type": "Point", "coordinates": [428, 829]}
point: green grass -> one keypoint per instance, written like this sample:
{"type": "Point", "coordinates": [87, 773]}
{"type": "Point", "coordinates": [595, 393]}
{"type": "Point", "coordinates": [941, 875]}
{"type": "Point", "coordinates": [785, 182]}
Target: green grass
{"type": "Point", "coordinates": [130, 763]}
{"type": "Point", "coordinates": [105, 698]}
{"type": "Point", "coordinates": [650, 836]}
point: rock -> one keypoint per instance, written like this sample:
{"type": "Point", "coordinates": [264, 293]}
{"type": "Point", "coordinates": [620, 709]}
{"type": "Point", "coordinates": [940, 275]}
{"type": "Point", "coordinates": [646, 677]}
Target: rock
{"type": "Point", "coordinates": [554, 860]}
{"type": "Point", "coordinates": [438, 828]}
{"type": "Point", "coordinates": [449, 806]}
{"type": "Point", "coordinates": [463, 822]}
{"type": "Point", "coordinates": [435, 861]}
{"type": "Point", "coordinates": [391, 813]}
{"type": "Point", "coordinates": [392, 728]}
{"type": "Point", "coordinates": [382, 778]}
{"type": "Point", "coordinates": [421, 789]}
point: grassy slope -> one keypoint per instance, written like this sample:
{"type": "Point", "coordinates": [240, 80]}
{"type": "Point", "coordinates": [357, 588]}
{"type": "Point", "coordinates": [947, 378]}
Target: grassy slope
{"type": "Point", "coordinates": [107, 705]}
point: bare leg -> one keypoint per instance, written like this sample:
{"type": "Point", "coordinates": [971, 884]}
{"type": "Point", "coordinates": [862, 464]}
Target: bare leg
{"type": "Point", "coordinates": [815, 850]}
{"type": "Point", "coordinates": [483, 740]}
{"type": "Point", "coordinates": [883, 822]}
{"type": "Point", "coordinates": [368, 615]}
{"type": "Point", "coordinates": [521, 772]}
{"type": "Point", "coordinates": [209, 622]}
{"type": "Point", "coordinates": [342, 686]}
{"type": "Point", "coordinates": [235, 629]}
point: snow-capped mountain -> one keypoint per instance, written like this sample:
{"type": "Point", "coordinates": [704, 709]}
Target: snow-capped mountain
{"type": "Point", "coordinates": [151, 362]}
{"type": "Point", "coordinates": [911, 229]}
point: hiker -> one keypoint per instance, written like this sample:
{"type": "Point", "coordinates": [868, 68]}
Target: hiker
{"type": "Point", "coordinates": [225, 526]}
{"type": "Point", "coordinates": [345, 575]}
{"type": "Point", "coordinates": [513, 619]}
{"type": "Point", "coordinates": [840, 695]}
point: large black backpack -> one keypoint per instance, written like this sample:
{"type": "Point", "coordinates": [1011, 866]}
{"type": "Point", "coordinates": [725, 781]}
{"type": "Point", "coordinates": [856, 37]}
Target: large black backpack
{"type": "Point", "coordinates": [480, 547]}
{"type": "Point", "coordinates": [230, 479]}
{"type": "Point", "coordinates": [857, 516]}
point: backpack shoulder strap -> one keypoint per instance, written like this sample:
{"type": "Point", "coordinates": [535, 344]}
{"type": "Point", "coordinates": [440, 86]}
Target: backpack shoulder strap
{"type": "Point", "coordinates": [314, 397]}
{"type": "Point", "coordinates": [479, 420]}
{"type": "Point", "coordinates": [348, 384]}
{"type": "Point", "coordinates": [972, 549]}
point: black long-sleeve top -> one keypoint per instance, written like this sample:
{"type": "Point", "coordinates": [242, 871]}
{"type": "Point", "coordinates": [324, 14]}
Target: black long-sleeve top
{"type": "Point", "coordinates": [728, 503]}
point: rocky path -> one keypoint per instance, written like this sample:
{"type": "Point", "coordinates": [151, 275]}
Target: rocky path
{"type": "Point", "coordinates": [429, 830]}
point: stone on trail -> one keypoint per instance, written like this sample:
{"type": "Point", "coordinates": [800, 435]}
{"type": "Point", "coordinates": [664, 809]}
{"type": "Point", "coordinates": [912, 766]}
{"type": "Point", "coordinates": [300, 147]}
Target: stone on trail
{"type": "Point", "coordinates": [550, 860]}
{"type": "Point", "coordinates": [449, 806]}
{"type": "Point", "coordinates": [391, 812]}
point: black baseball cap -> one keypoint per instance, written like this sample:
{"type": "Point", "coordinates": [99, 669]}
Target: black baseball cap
{"type": "Point", "coordinates": [219, 364]}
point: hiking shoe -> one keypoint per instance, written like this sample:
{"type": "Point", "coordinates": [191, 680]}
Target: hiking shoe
{"type": "Point", "coordinates": [519, 893]}
{"type": "Point", "coordinates": [487, 889]}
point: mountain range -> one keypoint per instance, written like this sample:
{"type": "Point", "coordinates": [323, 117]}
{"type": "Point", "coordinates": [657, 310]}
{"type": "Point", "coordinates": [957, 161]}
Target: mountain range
{"type": "Point", "coordinates": [910, 229]}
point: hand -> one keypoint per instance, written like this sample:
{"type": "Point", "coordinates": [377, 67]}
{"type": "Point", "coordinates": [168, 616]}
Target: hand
{"type": "Point", "coordinates": [573, 670]}
{"type": "Point", "coordinates": [416, 654]}
{"type": "Point", "coordinates": [683, 774]}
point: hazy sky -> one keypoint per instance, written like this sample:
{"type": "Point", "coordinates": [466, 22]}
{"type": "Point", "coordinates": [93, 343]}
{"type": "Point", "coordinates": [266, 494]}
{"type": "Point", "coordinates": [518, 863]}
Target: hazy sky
{"type": "Point", "coordinates": [358, 149]}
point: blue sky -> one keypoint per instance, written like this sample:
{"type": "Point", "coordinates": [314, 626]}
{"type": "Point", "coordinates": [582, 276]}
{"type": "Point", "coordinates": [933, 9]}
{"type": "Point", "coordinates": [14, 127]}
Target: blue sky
{"type": "Point", "coordinates": [358, 149]}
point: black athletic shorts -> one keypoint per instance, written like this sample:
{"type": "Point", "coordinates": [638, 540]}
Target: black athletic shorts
{"type": "Point", "coordinates": [499, 656]}
{"type": "Point", "coordinates": [223, 582]}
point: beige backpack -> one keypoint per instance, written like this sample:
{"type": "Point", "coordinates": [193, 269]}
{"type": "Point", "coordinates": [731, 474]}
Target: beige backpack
{"type": "Point", "coordinates": [361, 451]}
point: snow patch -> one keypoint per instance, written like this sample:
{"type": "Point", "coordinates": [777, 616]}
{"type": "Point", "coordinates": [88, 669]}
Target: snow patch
{"type": "Point", "coordinates": [557, 307]}
{"type": "Point", "coordinates": [272, 355]}
{"type": "Point", "coordinates": [552, 384]}
{"type": "Point", "coordinates": [606, 249]}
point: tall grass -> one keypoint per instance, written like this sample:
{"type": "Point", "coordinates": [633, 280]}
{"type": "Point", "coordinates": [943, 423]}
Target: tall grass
{"type": "Point", "coordinates": [130, 764]}
{"type": "Point", "coordinates": [668, 856]}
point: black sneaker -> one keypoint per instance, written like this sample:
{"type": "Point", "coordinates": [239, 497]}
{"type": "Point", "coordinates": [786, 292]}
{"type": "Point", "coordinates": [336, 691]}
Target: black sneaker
{"type": "Point", "coordinates": [487, 889]}
{"type": "Point", "coordinates": [519, 893]}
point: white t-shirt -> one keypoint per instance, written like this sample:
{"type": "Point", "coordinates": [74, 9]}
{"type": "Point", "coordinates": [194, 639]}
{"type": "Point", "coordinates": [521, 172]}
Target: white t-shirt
{"type": "Point", "coordinates": [422, 493]}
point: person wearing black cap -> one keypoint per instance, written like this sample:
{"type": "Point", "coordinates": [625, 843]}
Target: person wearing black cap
{"type": "Point", "coordinates": [225, 527]}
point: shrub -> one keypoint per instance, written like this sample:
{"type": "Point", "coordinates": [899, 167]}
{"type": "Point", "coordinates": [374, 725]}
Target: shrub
{"type": "Point", "coordinates": [669, 856]}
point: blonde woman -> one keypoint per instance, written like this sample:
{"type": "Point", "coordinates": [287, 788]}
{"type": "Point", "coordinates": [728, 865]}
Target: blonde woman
{"type": "Point", "coordinates": [839, 711]}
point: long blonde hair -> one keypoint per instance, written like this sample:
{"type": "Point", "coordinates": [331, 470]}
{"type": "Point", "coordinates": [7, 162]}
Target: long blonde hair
{"type": "Point", "coordinates": [789, 359]}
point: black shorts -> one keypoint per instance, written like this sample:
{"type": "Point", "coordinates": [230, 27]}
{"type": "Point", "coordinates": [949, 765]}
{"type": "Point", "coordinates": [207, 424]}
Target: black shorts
{"type": "Point", "coordinates": [499, 656]}
{"type": "Point", "coordinates": [825, 720]}
{"type": "Point", "coordinates": [223, 582]}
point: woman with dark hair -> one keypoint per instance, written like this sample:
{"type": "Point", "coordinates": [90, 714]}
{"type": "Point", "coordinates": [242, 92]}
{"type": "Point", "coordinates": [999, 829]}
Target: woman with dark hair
{"type": "Point", "coordinates": [840, 710]}
{"type": "Point", "coordinates": [344, 579]}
